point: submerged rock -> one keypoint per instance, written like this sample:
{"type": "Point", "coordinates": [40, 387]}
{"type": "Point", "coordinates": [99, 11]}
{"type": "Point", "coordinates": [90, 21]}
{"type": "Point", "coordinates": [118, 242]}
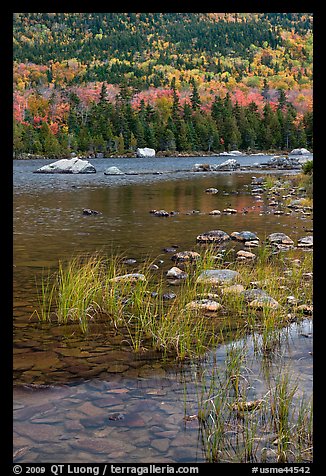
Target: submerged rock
{"type": "Point", "coordinates": [217, 276]}
{"type": "Point", "coordinates": [306, 242]}
{"type": "Point", "coordinates": [245, 255]}
{"type": "Point", "coordinates": [204, 305]}
{"type": "Point", "coordinates": [280, 238]}
{"type": "Point", "coordinates": [247, 406]}
{"type": "Point", "coordinates": [88, 211]}
{"type": "Point", "coordinates": [129, 278]}
{"type": "Point", "coordinates": [176, 273]}
{"type": "Point", "coordinates": [160, 213]}
{"type": "Point", "coordinates": [264, 302]}
{"type": "Point", "coordinates": [168, 296]}
{"type": "Point", "coordinates": [213, 236]}
{"type": "Point", "coordinates": [68, 166]}
{"type": "Point", "coordinates": [129, 261]}
{"type": "Point", "coordinates": [297, 204]}
{"type": "Point", "coordinates": [251, 294]}
{"type": "Point", "coordinates": [252, 243]}
{"type": "Point", "coordinates": [184, 256]}
{"type": "Point", "coordinates": [215, 212]}
{"type": "Point", "coordinates": [232, 289]}
{"type": "Point", "coordinates": [305, 309]}
{"type": "Point", "coordinates": [244, 236]}
{"type": "Point", "coordinates": [258, 181]}
{"type": "Point", "coordinates": [259, 299]}
{"type": "Point", "coordinates": [230, 211]}
{"type": "Point", "coordinates": [170, 249]}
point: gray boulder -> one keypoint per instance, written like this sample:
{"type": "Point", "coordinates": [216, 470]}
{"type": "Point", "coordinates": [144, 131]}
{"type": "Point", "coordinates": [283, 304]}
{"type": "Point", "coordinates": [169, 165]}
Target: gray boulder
{"type": "Point", "coordinates": [176, 273]}
{"type": "Point", "coordinates": [129, 278]}
{"type": "Point", "coordinates": [259, 299]}
{"type": "Point", "coordinates": [300, 151]}
{"type": "Point", "coordinates": [217, 276]}
{"type": "Point", "coordinates": [204, 305]}
{"type": "Point", "coordinates": [280, 239]}
{"type": "Point", "coordinates": [251, 294]}
{"type": "Point", "coordinates": [280, 162]}
{"type": "Point", "coordinates": [264, 302]}
{"type": "Point", "coordinates": [202, 168]}
{"type": "Point", "coordinates": [145, 152]}
{"type": "Point", "coordinates": [244, 236]}
{"type": "Point", "coordinates": [68, 166]}
{"type": "Point", "coordinates": [113, 171]}
{"type": "Point", "coordinates": [230, 164]}
{"type": "Point", "coordinates": [185, 256]}
{"type": "Point", "coordinates": [213, 236]}
{"type": "Point", "coordinates": [306, 242]}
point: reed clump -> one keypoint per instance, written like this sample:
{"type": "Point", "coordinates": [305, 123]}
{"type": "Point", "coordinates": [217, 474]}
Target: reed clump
{"type": "Point", "coordinates": [238, 425]}
{"type": "Point", "coordinates": [97, 288]}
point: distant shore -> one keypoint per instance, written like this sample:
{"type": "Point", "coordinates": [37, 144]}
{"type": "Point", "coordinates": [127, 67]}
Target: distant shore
{"type": "Point", "coordinates": [159, 154]}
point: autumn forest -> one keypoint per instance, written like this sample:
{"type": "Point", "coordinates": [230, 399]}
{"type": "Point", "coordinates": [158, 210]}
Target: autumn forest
{"type": "Point", "coordinates": [90, 83]}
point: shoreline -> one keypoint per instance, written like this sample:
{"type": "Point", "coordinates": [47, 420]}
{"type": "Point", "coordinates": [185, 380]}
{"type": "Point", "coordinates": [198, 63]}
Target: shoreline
{"type": "Point", "coordinates": [159, 154]}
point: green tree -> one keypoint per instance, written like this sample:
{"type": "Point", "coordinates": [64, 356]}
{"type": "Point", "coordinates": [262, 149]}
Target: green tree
{"type": "Point", "coordinates": [194, 96]}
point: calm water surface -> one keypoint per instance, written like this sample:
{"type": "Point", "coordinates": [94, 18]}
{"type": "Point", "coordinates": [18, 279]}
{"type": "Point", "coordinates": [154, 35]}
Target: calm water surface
{"type": "Point", "coordinates": [97, 400]}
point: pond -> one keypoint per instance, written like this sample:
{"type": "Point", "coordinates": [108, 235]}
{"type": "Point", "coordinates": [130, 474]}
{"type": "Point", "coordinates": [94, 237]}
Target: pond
{"type": "Point", "coordinates": [94, 399]}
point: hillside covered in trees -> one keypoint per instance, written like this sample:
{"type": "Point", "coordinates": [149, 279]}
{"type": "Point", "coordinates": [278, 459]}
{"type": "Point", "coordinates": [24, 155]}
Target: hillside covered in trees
{"type": "Point", "coordinates": [111, 82]}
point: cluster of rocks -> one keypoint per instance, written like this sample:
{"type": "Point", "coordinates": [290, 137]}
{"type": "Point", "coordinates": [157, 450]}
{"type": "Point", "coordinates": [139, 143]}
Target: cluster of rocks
{"type": "Point", "coordinates": [288, 163]}
{"type": "Point", "coordinates": [75, 165]}
{"type": "Point", "coordinates": [163, 213]}
{"type": "Point", "coordinates": [248, 238]}
{"type": "Point", "coordinates": [284, 198]}
{"type": "Point", "coordinates": [225, 211]}
{"type": "Point", "coordinates": [228, 165]}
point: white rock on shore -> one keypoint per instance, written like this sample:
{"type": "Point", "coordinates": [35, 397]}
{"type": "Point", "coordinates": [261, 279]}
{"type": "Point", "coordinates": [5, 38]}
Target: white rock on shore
{"type": "Point", "coordinates": [145, 152]}
{"type": "Point", "coordinates": [232, 153]}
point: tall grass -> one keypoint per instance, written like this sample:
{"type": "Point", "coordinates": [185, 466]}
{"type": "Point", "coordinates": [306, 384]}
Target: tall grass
{"type": "Point", "coordinates": [235, 428]}
{"type": "Point", "coordinates": [86, 289]}
{"type": "Point", "coordinates": [79, 290]}
{"type": "Point", "coordinates": [46, 298]}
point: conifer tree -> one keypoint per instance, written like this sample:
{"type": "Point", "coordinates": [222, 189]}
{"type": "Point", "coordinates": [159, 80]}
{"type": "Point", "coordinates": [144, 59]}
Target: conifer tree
{"type": "Point", "coordinates": [194, 97]}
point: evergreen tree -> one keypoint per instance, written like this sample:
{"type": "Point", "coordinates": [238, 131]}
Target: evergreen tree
{"type": "Point", "coordinates": [194, 97]}
{"type": "Point", "coordinates": [120, 144]}
{"type": "Point", "coordinates": [282, 100]}
{"type": "Point", "coordinates": [265, 90]}
{"type": "Point", "coordinates": [169, 140]}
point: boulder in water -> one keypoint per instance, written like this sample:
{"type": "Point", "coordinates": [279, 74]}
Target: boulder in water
{"type": "Point", "coordinates": [68, 166]}
{"type": "Point", "coordinates": [113, 171]}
